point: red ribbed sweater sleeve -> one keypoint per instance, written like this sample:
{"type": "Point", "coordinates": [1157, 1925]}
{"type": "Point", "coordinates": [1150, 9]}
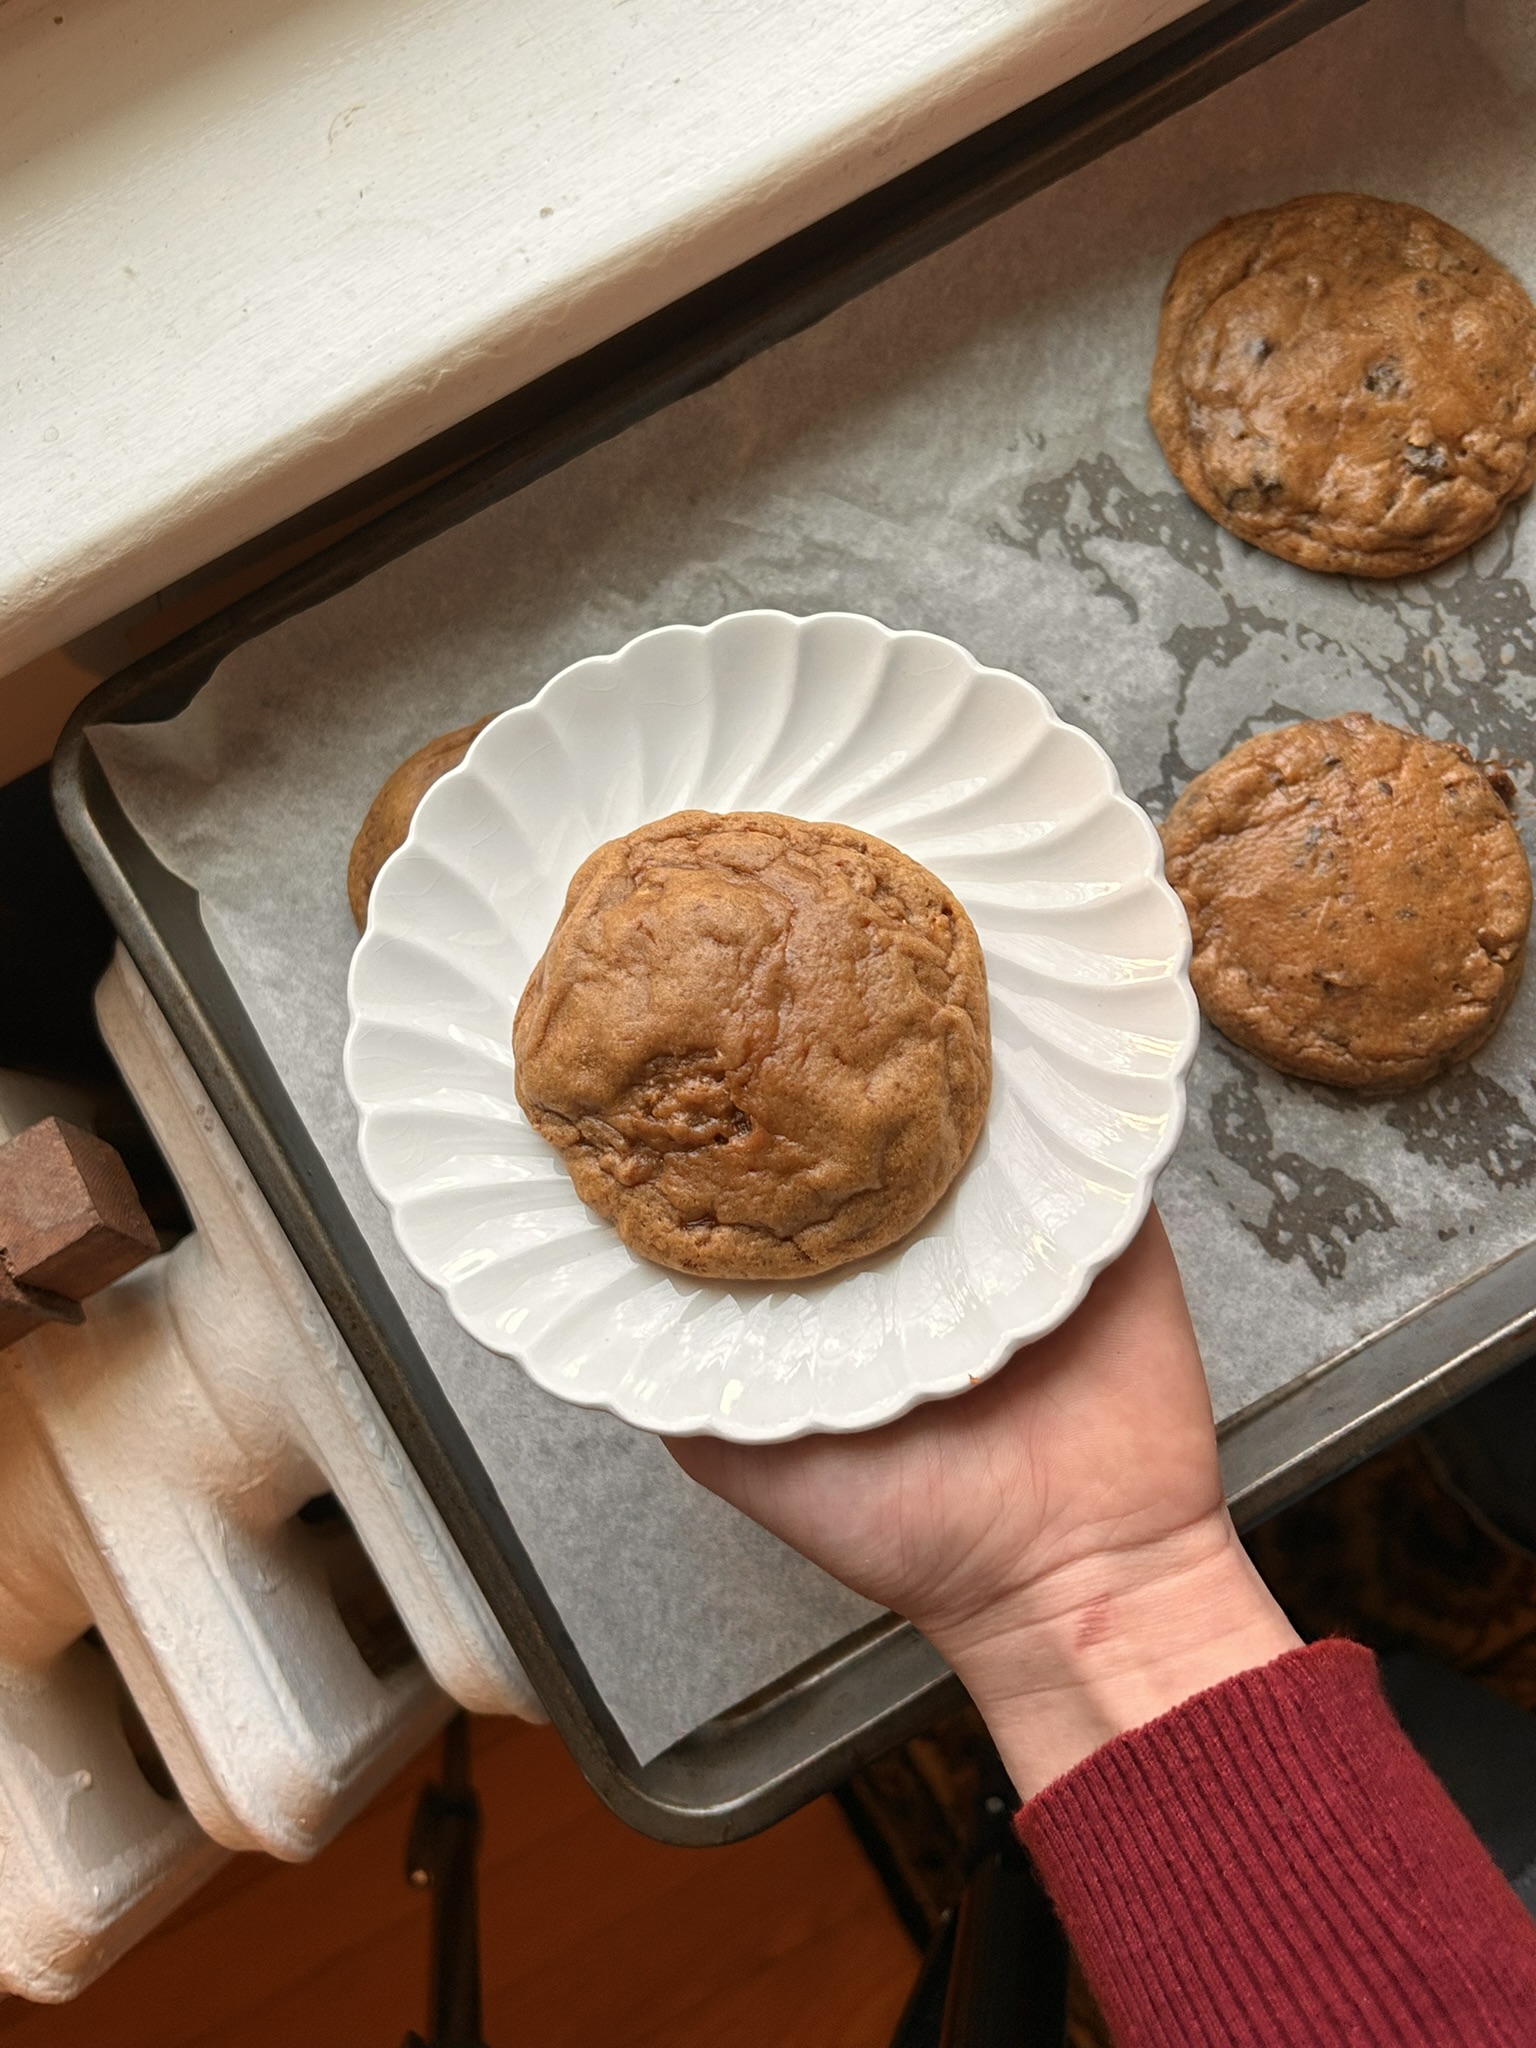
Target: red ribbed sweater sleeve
{"type": "Point", "coordinates": [1271, 1865]}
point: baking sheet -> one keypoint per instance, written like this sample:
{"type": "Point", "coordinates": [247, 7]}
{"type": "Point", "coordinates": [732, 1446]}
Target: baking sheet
{"type": "Point", "coordinates": [963, 449]}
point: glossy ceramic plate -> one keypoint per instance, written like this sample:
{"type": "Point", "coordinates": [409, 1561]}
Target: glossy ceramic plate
{"type": "Point", "coordinates": [901, 734]}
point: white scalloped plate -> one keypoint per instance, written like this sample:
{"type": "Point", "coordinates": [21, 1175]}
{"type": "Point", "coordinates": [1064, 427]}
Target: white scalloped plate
{"type": "Point", "coordinates": [967, 769]}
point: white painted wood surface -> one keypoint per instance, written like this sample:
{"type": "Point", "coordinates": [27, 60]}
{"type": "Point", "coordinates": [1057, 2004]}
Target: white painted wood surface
{"type": "Point", "coordinates": [250, 250]}
{"type": "Point", "coordinates": [151, 1464]}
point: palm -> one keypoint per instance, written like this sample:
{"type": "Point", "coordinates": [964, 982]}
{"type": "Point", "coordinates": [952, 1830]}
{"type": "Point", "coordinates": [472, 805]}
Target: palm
{"type": "Point", "coordinates": [1096, 1438]}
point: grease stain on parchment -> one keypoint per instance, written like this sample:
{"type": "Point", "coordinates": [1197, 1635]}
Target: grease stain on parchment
{"type": "Point", "coordinates": [1450, 655]}
{"type": "Point", "coordinates": [1454, 653]}
{"type": "Point", "coordinates": [1466, 1119]}
{"type": "Point", "coordinates": [1316, 1212]}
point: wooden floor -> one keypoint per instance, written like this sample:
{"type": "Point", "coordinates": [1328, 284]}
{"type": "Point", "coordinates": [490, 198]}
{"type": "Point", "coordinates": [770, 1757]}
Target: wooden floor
{"type": "Point", "coordinates": [593, 1937]}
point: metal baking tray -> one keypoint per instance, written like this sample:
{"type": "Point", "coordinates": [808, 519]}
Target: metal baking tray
{"type": "Point", "coordinates": [747, 1767]}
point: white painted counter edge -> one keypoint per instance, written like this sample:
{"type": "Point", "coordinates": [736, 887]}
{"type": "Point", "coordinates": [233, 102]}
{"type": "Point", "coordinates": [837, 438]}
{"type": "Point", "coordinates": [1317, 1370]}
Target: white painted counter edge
{"type": "Point", "coordinates": [124, 517]}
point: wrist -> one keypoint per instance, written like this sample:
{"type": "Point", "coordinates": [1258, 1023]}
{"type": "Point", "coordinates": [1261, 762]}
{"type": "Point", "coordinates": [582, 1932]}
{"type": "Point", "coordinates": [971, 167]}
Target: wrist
{"type": "Point", "coordinates": [1111, 1641]}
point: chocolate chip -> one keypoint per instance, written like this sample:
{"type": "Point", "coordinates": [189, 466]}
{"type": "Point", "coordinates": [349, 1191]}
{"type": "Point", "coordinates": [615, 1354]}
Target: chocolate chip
{"type": "Point", "coordinates": [1500, 781]}
{"type": "Point", "coordinates": [1257, 491]}
{"type": "Point", "coordinates": [1430, 461]}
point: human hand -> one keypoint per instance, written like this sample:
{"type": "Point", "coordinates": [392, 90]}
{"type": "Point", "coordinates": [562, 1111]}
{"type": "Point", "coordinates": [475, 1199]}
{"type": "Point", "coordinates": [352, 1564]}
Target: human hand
{"type": "Point", "coordinates": [1059, 1534]}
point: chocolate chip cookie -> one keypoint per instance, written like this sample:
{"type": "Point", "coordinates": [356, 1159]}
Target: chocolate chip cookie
{"type": "Point", "coordinates": [1348, 383]}
{"type": "Point", "coordinates": [390, 813]}
{"type": "Point", "coordinates": [760, 1045]}
{"type": "Point", "coordinates": [1359, 900]}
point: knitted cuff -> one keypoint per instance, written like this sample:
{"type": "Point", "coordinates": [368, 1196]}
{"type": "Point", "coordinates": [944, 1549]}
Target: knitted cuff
{"type": "Point", "coordinates": [1271, 1863]}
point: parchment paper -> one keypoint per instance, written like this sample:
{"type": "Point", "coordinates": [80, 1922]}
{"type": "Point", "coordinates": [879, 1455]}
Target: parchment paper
{"type": "Point", "coordinates": [965, 450]}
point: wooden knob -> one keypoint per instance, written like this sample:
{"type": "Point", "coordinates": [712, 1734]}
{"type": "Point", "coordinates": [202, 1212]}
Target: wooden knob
{"type": "Point", "coordinates": [70, 1223]}
{"type": "Point", "coordinates": [25, 1309]}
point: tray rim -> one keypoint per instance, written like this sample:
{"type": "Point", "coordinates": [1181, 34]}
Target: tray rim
{"type": "Point", "coordinates": [758, 1761]}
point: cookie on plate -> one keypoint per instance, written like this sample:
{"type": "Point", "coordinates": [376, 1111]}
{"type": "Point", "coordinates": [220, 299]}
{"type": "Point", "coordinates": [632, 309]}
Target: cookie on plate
{"type": "Point", "coordinates": [1348, 383]}
{"type": "Point", "coordinates": [1358, 896]}
{"type": "Point", "coordinates": [760, 1045]}
{"type": "Point", "coordinates": [390, 813]}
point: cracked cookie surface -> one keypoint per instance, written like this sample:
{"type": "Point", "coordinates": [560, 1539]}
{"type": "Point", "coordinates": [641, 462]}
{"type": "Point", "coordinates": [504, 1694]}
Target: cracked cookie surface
{"type": "Point", "coordinates": [1348, 383]}
{"type": "Point", "coordinates": [1359, 900]}
{"type": "Point", "coordinates": [760, 1045]}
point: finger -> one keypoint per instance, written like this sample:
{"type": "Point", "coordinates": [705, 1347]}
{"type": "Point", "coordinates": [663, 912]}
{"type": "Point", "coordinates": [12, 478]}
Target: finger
{"type": "Point", "coordinates": [1134, 1308]}
{"type": "Point", "coordinates": [739, 1473]}
{"type": "Point", "coordinates": [700, 1457]}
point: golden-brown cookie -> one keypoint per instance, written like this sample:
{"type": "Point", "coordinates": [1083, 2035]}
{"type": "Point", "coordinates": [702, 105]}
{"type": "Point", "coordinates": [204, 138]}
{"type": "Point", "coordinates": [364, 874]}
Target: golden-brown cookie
{"type": "Point", "coordinates": [760, 1045]}
{"type": "Point", "coordinates": [1358, 896]}
{"type": "Point", "coordinates": [1347, 382]}
{"type": "Point", "coordinates": [390, 813]}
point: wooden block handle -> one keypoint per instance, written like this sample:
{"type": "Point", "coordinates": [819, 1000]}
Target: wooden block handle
{"type": "Point", "coordinates": [70, 1223]}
